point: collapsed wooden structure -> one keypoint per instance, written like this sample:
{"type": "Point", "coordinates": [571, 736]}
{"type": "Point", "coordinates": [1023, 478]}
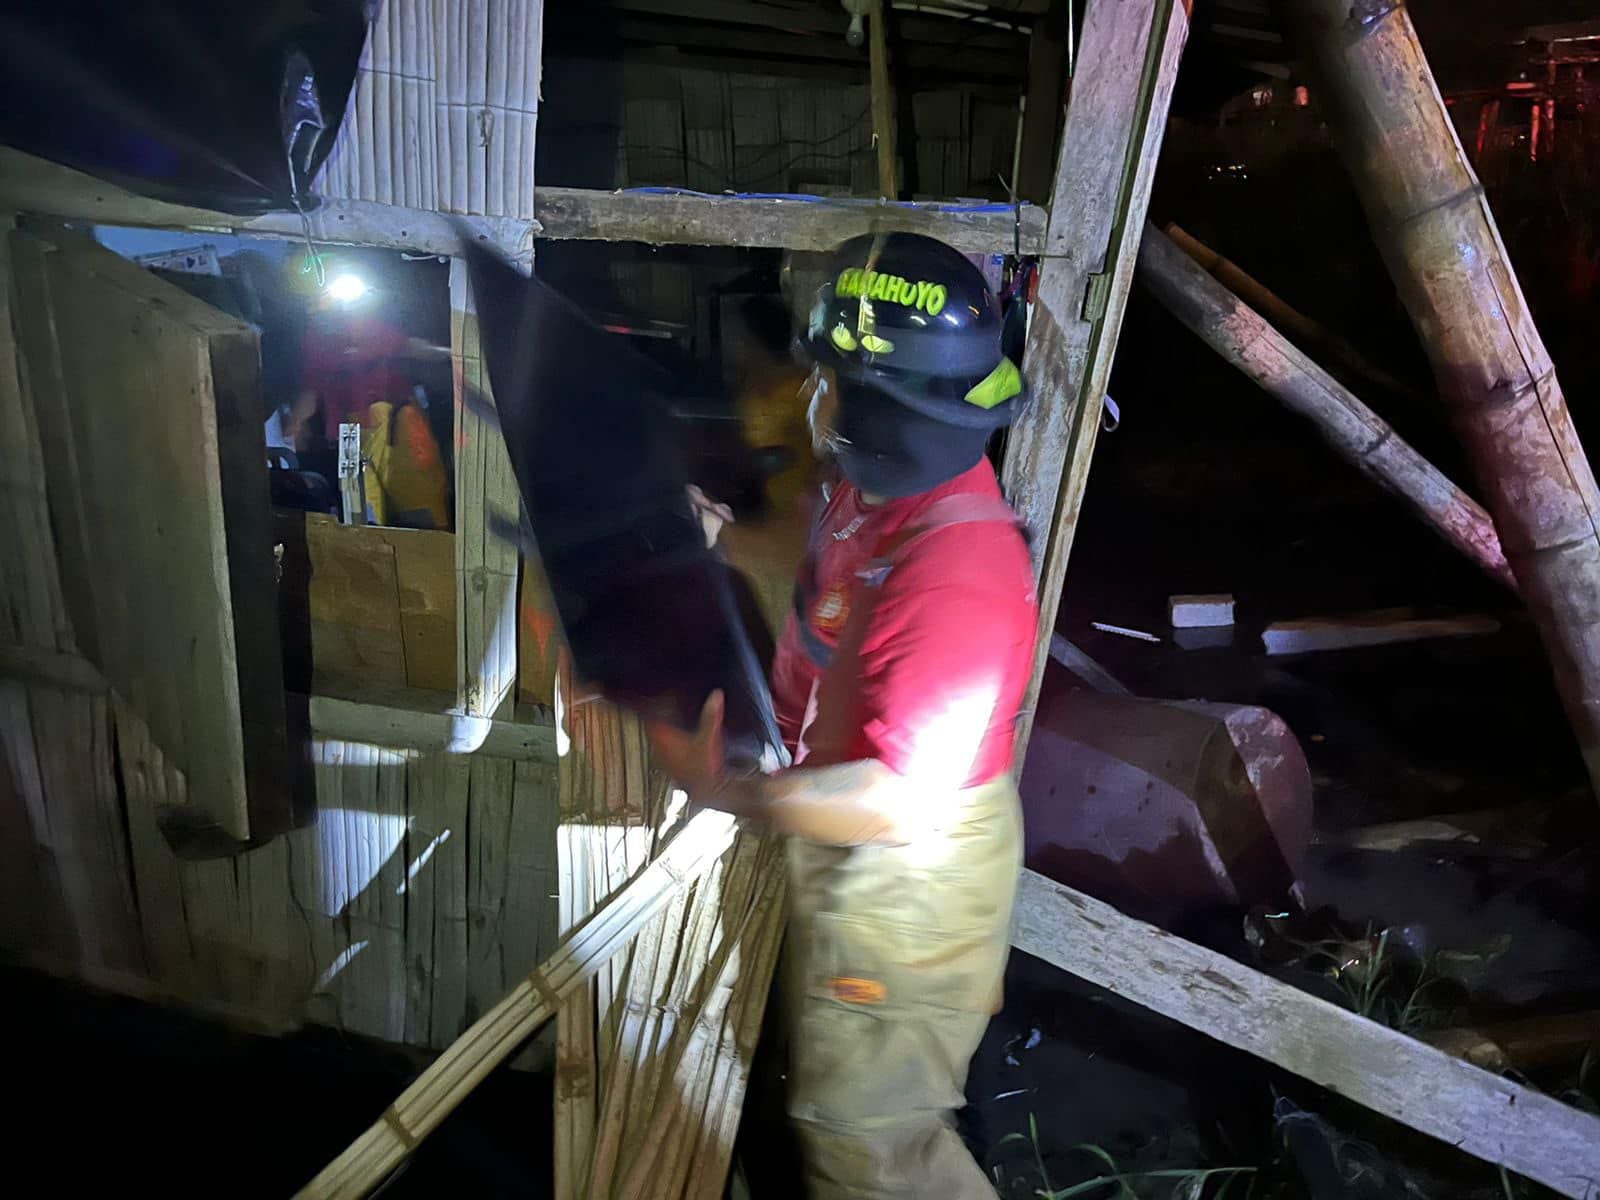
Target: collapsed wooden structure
{"type": "Point", "coordinates": [527, 837]}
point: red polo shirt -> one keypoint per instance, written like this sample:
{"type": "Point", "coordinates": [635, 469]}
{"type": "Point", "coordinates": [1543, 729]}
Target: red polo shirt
{"type": "Point", "coordinates": [946, 654]}
{"type": "Point", "coordinates": [352, 361]}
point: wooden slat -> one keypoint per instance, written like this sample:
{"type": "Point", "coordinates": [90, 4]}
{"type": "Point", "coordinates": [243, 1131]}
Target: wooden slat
{"type": "Point", "coordinates": [1129, 62]}
{"type": "Point", "coordinates": [32, 610]}
{"type": "Point", "coordinates": [1482, 1114]}
{"type": "Point", "coordinates": [39, 364]}
{"type": "Point", "coordinates": [155, 871]}
{"type": "Point", "coordinates": [72, 733]}
{"type": "Point", "coordinates": [436, 901]}
{"type": "Point", "coordinates": [488, 844]}
{"type": "Point", "coordinates": [424, 563]}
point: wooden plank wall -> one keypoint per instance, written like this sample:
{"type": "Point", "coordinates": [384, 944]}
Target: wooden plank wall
{"type": "Point", "coordinates": [411, 905]}
{"type": "Point", "coordinates": [716, 131]}
{"type": "Point", "coordinates": [425, 888]}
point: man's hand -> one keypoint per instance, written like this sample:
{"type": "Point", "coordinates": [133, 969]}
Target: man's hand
{"type": "Point", "coordinates": [693, 761]}
{"type": "Point", "coordinates": [712, 513]}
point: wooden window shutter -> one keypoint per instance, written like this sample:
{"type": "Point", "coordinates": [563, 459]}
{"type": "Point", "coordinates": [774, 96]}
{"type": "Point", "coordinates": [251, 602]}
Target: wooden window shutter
{"type": "Point", "coordinates": [150, 423]}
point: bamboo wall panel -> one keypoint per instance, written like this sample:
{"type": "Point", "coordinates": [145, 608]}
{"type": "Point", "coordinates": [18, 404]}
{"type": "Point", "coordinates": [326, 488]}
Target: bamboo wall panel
{"type": "Point", "coordinates": [653, 1057]}
{"type": "Point", "coordinates": [443, 110]}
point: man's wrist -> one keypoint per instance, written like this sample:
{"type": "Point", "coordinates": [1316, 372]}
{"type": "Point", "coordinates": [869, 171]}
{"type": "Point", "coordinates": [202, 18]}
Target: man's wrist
{"type": "Point", "coordinates": [736, 795]}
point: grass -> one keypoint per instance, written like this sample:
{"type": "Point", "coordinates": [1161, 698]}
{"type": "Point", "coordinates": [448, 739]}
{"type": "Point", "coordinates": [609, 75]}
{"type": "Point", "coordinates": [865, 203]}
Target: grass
{"type": "Point", "coordinates": [1117, 1183]}
{"type": "Point", "coordinates": [1384, 982]}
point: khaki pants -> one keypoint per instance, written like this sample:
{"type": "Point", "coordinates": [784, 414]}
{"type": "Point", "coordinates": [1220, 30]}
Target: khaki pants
{"type": "Point", "coordinates": [895, 965]}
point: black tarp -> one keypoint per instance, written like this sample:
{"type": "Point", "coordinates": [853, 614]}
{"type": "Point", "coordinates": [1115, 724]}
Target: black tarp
{"type": "Point", "coordinates": [223, 104]}
{"type": "Point", "coordinates": [652, 617]}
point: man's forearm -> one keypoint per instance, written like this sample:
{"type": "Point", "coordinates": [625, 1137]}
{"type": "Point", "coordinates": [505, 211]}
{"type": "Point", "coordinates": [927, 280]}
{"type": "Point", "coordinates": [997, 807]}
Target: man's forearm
{"type": "Point", "coordinates": [848, 804]}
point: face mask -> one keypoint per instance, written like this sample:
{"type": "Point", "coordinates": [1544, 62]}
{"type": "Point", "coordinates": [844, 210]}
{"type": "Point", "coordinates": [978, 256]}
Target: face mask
{"type": "Point", "coordinates": [889, 450]}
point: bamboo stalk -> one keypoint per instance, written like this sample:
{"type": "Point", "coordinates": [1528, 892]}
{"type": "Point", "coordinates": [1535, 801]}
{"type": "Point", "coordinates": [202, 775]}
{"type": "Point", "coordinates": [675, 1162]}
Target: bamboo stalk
{"type": "Point", "coordinates": [1439, 239]}
{"type": "Point", "coordinates": [1346, 362]}
{"type": "Point", "coordinates": [1238, 333]}
{"type": "Point", "coordinates": [882, 103]}
{"type": "Point", "coordinates": [436, 1092]}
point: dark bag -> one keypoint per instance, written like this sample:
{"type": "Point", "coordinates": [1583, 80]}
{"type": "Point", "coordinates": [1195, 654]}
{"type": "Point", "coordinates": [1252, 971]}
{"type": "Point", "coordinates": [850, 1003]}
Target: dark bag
{"type": "Point", "coordinates": [652, 617]}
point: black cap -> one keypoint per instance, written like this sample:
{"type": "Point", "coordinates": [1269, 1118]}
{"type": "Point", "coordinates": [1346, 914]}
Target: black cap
{"type": "Point", "coordinates": [910, 317]}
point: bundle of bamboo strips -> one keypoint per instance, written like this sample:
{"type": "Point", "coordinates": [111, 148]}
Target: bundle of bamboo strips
{"type": "Point", "coordinates": [696, 849]}
{"type": "Point", "coordinates": [653, 1057]}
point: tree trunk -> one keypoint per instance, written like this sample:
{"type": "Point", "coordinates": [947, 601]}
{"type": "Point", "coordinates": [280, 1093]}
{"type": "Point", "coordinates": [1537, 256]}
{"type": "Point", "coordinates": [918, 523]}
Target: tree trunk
{"type": "Point", "coordinates": [1237, 332]}
{"type": "Point", "coordinates": [1441, 245]}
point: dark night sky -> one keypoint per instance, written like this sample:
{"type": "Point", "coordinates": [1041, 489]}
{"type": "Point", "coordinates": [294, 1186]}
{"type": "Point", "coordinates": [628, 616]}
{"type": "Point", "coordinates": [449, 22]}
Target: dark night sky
{"type": "Point", "coordinates": [1465, 39]}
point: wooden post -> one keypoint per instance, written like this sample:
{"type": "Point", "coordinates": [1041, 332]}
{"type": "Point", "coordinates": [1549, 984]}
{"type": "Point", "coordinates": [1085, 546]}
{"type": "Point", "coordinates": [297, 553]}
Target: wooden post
{"type": "Point", "coordinates": [1342, 359]}
{"type": "Point", "coordinates": [1044, 104]}
{"type": "Point", "coordinates": [1118, 113]}
{"type": "Point", "coordinates": [1440, 242]}
{"type": "Point", "coordinates": [1238, 333]}
{"type": "Point", "coordinates": [486, 564]}
{"type": "Point", "coordinates": [882, 103]}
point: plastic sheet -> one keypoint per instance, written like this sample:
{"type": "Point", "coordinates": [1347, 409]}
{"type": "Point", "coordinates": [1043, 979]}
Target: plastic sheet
{"type": "Point", "coordinates": [223, 104]}
{"type": "Point", "coordinates": [652, 617]}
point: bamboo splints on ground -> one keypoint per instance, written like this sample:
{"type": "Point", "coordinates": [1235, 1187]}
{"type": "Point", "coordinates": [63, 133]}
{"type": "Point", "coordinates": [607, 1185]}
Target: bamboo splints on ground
{"type": "Point", "coordinates": [583, 952]}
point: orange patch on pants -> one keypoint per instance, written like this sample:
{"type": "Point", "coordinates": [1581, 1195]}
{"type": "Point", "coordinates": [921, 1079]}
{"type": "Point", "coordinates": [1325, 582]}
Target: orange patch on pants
{"type": "Point", "coordinates": [859, 991]}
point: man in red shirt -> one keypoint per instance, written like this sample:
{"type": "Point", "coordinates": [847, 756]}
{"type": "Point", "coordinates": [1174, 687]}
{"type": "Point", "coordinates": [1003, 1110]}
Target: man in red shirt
{"type": "Point", "coordinates": [898, 681]}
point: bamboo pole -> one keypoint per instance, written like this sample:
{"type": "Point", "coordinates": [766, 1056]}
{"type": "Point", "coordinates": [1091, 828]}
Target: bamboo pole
{"type": "Point", "coordinates": [882, 103]}
{"type": "Point", "coordinates": [1343, 359]}
{"type": "Point", "coordinates": [1441, 245]}
{"type": "Point", "coordinates": [368, 1160]}
{"type": "Point", "coordinates": [1240, 335]}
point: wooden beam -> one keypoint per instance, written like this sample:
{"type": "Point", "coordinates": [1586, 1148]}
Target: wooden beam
{"type": "Point", "coordinates": [35, 186]}
{"type": "Point", "coordinates": [38, 186]}
{"type": "Point", "coordinates": [1425, 1089]}
{"type": "Point", "coordinates": [401, 718]}
{"type": "Point", "coordinates": [1343, 359]}
{"type": "Point", "coordinates": [429, 730]}
{"type": "Point", "coordinates": [1362, 438]}
{"type": "Point", "coordinates": [1118, 113]}
{"type": "Point", "coordinates": [697, 220]}
{"type": "Point", "coordinates": [882, 104]}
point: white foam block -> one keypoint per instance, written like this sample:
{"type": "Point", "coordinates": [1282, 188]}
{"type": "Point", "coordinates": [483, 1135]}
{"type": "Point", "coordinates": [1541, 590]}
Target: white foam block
{"type": "Point", "coordinates": [1200, 612]}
